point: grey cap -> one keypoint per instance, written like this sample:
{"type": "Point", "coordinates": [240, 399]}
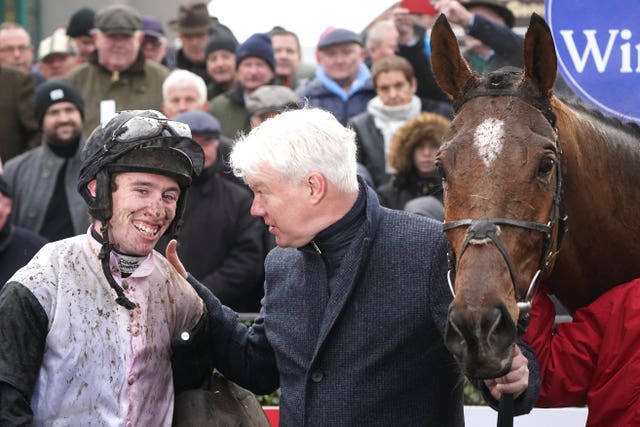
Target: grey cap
{"type": "Point", "coordinates": [118, 19]}
{"type": "Point", "coordinates": [271, 98]}
{"type": "Point", "coordinates": [339, 36]}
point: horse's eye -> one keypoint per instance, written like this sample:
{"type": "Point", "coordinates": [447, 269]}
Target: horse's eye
{"type": "Point", "coordinates": [441, 171]}
{"type": "Point", "coordinates": [546, 166]}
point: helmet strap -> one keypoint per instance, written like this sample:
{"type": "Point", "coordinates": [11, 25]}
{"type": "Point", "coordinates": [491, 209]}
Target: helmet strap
{"type": "Point", "coordinates": [105, 251]}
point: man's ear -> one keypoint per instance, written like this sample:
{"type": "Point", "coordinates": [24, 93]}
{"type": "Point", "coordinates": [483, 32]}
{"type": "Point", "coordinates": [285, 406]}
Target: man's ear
{"type": "Point", "coordinates": [92, 187]}
{"type": "Point", "coordinates": [316, 184]}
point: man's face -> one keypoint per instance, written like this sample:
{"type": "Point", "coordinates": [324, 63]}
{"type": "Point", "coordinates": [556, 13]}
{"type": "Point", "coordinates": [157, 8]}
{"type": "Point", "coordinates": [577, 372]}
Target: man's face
{"type": "Point", "coordinates": [193, 45]}
{"type": "Point", "coordinates": [117, 52]}
{"type": "Point", "coordinates": [154, 48]}
{"type": "Point", "coordinates": [253, 72]}
{"type": "Point", "coordinates": [62, 124]}
{"type": "Point", "coordinates": [144, 205]}
{"type": "Point", "coordinates": [287, 54]}
{"type": "Point", "coordinates": [16, 48]}
{"type": "Point", "coordinates": [386, 48]}
{"type": "Point", "coordinates": [57, 65]}
{"type": "Point", "coordinates": [181, 99]}
{"type": "Point", "coordinates": [84, 45]}
{"type": "Point", "coordinates": [209, 146]}
{"type": "Point", "coordinates": [221, 66]}
{"type": "Point", "coordinates": [341, 62]}
{"type": "Point", "coordinates": [5, 210]}
{"type": "Point", "coordinates": [394, 89]}
{"type": "Point", "coordinates": [284, 208]}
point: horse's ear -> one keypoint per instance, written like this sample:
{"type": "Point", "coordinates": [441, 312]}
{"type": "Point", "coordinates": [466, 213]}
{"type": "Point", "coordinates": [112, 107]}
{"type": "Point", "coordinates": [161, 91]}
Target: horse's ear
{"type": "Point", "coordinates": [450, 69]}
{"type": "Point", "coordinates": [540, 61]}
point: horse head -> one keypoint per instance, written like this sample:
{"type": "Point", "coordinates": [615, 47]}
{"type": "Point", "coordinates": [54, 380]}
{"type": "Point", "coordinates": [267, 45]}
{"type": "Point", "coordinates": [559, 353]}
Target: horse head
{"type": "Point", "coordinates": [501, 167]}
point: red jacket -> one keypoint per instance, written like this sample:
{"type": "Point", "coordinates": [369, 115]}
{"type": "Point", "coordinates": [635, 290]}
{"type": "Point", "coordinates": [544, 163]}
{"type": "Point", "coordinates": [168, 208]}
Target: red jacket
{"type": "Point", "coordinates": [593, 360]}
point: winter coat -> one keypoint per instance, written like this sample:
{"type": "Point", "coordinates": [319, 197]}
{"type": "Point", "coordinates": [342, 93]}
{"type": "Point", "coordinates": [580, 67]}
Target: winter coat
{"type": "Point", "coordinates": [138, 87]}
{"type": "Point", "coordinates": [592, 360]}
{"type": "Point", "coordinates": [230, 110]}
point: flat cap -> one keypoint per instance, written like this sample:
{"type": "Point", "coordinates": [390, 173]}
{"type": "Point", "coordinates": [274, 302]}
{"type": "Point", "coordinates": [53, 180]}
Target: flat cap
{"type": "Point", "coordinates": [339, 36]}
{"type": "Point", "coordinates": [200, 122]}
{"type": "Point", "coordinates": [118, 19]}
{"type": "Point", "coordinates": [271, 98]}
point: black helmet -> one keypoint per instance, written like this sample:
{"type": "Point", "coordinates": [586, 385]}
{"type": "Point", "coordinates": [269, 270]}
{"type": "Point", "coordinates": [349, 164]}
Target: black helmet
{"type": "Point", "coordinates": [138, 141]}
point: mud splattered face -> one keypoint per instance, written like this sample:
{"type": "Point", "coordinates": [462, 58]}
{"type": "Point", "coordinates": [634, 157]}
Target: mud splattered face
{"type": "Point", "coordinates": [144, 205]}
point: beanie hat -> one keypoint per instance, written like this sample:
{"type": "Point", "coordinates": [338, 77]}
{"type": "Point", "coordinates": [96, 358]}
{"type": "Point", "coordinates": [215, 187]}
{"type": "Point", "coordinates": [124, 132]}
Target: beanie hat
{"type": "Point", "coordinates": [81, 23]}
{"type": "Point", "coordinates": [259, 46]}
{"type": "Point", "coordinates": [54, 91]}
{"type": "Point", "coordinates": [220, 38]}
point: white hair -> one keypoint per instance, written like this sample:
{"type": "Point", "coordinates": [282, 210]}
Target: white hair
{"type": "Point", "coordinates": [378, 32]}
{"type": "Point", "coordinates": [181, 79]}
{"type": "Point", "coordinates": [296, 143]}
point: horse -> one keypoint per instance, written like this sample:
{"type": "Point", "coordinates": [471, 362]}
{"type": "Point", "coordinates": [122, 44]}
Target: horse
{"type": "Point", "coordinates": [535, 189]}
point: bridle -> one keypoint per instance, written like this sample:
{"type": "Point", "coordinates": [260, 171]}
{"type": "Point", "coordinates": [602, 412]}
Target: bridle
{"type": "Point", "coordinates": [488, 229]}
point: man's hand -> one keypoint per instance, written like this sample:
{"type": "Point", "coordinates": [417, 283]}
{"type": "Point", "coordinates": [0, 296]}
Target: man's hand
{"type": "Point", "coordinates": [404, 24]}
{"type": "Point", "coordinates": [454, 11]}
{"type": "Point", "coordinates": [515, 381]}
{"type": "Point", "coordinates": [171, 254]}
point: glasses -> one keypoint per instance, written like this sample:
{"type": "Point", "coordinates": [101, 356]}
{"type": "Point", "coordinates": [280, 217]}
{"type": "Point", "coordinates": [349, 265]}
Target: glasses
{"type": "Point", "coordinates": [10, 49]}
{"type": "Point", "coordinates": [137, 128]}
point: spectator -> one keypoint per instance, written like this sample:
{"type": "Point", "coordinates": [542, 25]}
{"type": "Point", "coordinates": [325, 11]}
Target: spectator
{"type": "Point", "coordinates": [395, 103]}
{"type": "Point", "coordinates": [382, 40]}
{"type": "Point", "coordinates": [154, 43]}
{"type": "Point", "coordinates": [192, 26]}
{"type": "Point", "coordinates": [79, 29]}
{"type": "Point", "coordinates": [44, 180]}
{"type": "Point", "coordinates": [220, 242]}
{"type": "Point", "coordinates": [183, 91]}
{"type": "Point", "coordinates": [489, 41]}
{"type": "Point", "coordinates": [342, 84]}
{"type": "Point", "coordinates": [255, 67]}
{"type": "Point", "coordinates": [270, 100]}
{"type": "Point", "coordinates": [17, 245]}
{"type": "Point", "coordinates": [117, 77]}
{"type": "Point", "coordinates": [19, 127]}
{"type": "Point", "coordinates": [71, 352]}
{"type": "Point", "coordinates": [290, 70]}
{"type": "Point", "coordinates": [321, 335]}
{"type": "Point", "coordinates": [413, 156]}
{"type": "Point", "coordinates": [15, 46]}
{"type": "Point", "coordinates": [57, 56]}
{"type": "Point", "coordinates": [220, 55]}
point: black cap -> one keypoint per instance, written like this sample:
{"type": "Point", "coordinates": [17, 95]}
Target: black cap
{"type": "Point", "coordinates": [81, 23]}
{"type": "Point", "coordinates": [220, 38]}
{"type": "Point", "coordinates": [339, 36]}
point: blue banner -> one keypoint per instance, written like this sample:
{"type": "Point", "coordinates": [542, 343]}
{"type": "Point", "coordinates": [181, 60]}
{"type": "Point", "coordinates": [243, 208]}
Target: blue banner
{"type": "Point", "coordinates": [598, 47]}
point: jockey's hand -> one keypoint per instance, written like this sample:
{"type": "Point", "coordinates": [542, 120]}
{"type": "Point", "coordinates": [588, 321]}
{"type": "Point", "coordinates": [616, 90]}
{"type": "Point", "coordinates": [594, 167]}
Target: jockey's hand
{"type": "Point", "coordinates": [171, 254]}
{"type": "Point", "coordinates": [515, 381]}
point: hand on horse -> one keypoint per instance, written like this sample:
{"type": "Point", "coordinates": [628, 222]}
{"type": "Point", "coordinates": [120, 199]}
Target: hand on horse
{"type": "Point", "coordinates": [171, 254]}
{"type": "Point", "coordinates": [515, 381]}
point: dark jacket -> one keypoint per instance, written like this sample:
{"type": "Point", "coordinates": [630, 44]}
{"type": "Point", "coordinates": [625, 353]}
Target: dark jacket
{"type": "Point", "coordinates": [17, 246]}
{"type": "Point", "coordinates": [230, 110]}
{"type": "Point", "coordinates": [220, 242]}
{"type": "Point", "coordinates": [375, 356]}
{"type": "Point", "coordinates": [506, 44]}
{"type": "Point", "coordinates": [20, 130]}
{"type": "Point", "coordinates": [184, 63]}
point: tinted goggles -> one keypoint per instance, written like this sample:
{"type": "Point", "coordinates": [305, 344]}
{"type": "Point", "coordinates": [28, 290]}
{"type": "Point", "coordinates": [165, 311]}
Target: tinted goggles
{"type": "Point", "coordinates": [137, 128]}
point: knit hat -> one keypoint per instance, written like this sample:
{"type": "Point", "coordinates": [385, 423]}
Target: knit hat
{"type": "Point", "coordinates": [220, 38]}
{"type": "Point", "coordinates": [81, 23]}
{"type": "Point", "coordinates": [258, 46]}
{"type": "Point", "coordinates": [118, 19]}
{"type": "Point", "coordinates": [54, 91]}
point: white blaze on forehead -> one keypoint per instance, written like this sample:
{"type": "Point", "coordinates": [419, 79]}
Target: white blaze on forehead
{"type": "Point", "coordinates": [488, 140]}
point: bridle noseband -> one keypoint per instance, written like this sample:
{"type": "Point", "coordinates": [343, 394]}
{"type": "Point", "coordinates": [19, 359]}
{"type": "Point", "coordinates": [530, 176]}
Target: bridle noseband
{"type": "Point", "coordinates": [488, 229]}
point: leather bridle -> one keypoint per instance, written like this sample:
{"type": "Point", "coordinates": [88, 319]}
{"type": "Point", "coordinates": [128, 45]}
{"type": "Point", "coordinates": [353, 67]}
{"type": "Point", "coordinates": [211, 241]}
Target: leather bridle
{"type": "Point", "coordinates": [489, 228]}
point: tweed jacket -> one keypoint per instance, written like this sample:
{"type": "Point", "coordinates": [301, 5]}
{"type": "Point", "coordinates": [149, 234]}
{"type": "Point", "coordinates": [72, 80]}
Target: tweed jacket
{"type": "Point", "coordinates": [32, 179]}
{"type": "Point", "coordinates": [19, 125]}
{"type": "Point", "coordinates": [375, 356]}
{"type": "Point", "coordinates": [137, 88]}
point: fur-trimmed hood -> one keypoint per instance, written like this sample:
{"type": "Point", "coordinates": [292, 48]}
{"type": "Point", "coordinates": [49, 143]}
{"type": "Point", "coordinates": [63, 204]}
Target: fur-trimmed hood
{"type": "Point", "coordinates": [427, 126]}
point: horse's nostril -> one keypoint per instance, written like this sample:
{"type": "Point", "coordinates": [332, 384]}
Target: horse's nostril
{"type": "Point", "coordinates": [498, 328]}
{"type": "Point", "coordinates": [453, 336]}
